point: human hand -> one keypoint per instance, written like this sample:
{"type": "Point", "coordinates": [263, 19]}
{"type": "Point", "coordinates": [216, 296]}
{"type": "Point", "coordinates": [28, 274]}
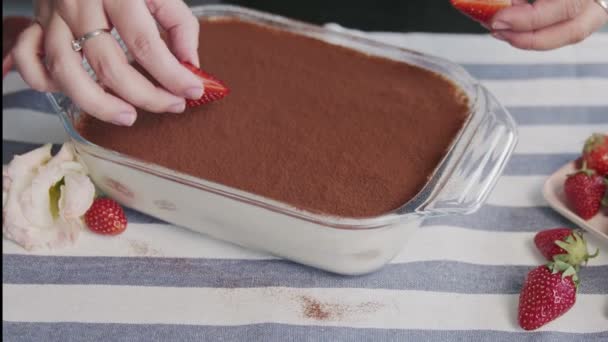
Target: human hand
{"type": "Point", "coordinates": [548, 24]}
{"type": "Point", "coordinates": [12, 26]}
{"type": "Point", "coordinates": [61, 21]}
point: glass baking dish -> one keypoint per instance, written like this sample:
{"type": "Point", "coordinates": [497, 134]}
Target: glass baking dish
{"type": "Point", "coordinates": [460, 184]}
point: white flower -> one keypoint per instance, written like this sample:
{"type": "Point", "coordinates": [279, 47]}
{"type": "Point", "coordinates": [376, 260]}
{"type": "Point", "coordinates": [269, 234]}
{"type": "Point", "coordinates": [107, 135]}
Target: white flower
{"type": "Point", "coordinates": [45, 197]}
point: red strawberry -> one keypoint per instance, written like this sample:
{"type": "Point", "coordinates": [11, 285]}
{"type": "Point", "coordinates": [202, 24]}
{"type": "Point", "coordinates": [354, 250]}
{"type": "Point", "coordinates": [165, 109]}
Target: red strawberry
{"type": "Point", "coordinates": [548, 292]}
{"type": "Point", "coordinates": [595, 153]}
{"type": "Point", "coordinates": [106, 217]}
{"type": "Point", "coordinates": [563, 244]}
{"type": "Point", "coordinates": [214, 88]}
{"type": "Point", "coordinates": [545, 241]}
{"type": "Point", "coordinates": [584, 192]}
{"type": "Point", "coordinates": [480, 10]}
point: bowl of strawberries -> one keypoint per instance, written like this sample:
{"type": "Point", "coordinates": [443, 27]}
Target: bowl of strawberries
{"type": "Point", "coordinates": [579, 190]}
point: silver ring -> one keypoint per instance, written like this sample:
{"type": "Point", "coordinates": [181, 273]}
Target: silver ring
{"type": "Point", "coordinates": [603, 4]}
{"type": "Point", "coordinates": [77, 44]}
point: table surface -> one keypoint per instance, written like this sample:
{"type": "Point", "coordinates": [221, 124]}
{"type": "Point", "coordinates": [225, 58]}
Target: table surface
{"type": "Point", "coordinates": [457, 279]}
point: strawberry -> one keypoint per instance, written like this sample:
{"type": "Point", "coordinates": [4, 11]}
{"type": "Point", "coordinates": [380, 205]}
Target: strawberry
{"type": "Point", "coordinates": [546, 240]}
{"type": "Point", "coordinates": [584, 192]}
{"type": "Point", "coordinates": [480, 10]}
{"type": "Point", "coordinates": [563, 244]}
{"type": "Point", "coordinates": [106, 217]}
{"type": "Point", "coordinates": [595, 153]}
{"type": "Point", "coordinates": [214, 88]}
{"type": "Point", "coordinates": [549, 291]}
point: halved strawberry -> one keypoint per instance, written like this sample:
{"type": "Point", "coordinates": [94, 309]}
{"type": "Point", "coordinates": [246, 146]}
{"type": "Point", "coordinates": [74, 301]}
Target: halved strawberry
{"type": "Point", "coordinates": [480, 10]}
{"type": "Point", "coordinates": [214, 88]}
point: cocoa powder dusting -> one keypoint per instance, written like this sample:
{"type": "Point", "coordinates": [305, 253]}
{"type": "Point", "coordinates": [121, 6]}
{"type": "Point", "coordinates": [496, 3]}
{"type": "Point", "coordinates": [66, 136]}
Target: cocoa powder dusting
{"type": "Point", "coordinates": [142, 248]}
{"type": "Point", "coordinates": [320, 127]}
{"type": "Point", "coordinates": [316, 310]}
{"type": "Point", "coordinates": [321, 311]}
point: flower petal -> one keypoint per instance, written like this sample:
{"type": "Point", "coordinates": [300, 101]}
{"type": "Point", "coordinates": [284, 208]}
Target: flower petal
{"type": "Point", "coordinates": [28, 216]}
{"type": "Point", "coordinates": [76, 195]}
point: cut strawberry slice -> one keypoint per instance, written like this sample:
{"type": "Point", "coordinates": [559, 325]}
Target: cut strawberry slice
{"type": "Point", "coordinates": [480, 10]}
{"type": "Point", "coordinates": [214, 88]}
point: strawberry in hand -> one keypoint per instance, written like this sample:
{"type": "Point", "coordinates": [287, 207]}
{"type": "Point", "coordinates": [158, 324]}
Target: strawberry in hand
{"type": "Point", "coordinates": [480, 10]}
{"type": "Point", "coordinates": [214, 88]}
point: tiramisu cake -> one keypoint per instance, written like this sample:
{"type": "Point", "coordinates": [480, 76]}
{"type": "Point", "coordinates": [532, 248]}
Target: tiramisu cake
{"type": "Point", "coordinates": [320, 127]}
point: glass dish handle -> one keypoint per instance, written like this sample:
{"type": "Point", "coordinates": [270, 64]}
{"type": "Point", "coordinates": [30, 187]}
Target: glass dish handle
{"type": "Point", "coordinates": [486, 152]}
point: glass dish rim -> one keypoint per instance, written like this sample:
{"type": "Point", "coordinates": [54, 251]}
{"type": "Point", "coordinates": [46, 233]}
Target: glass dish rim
{"type": "Point", "coordinates": [409, 209]}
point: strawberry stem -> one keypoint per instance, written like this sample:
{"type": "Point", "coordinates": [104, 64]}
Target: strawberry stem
{"type": "Point", "coordinates": [588, 172]}
{"type": "Point", "coordinates": [593, 141]}
{"type": "Point", "coordinates": [566, 270]}
{"type": "Point", "coordinates": [576, 250]}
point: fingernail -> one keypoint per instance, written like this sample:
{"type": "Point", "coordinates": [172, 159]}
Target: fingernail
{"type": "Point", "coordinates": [124, 119]}
{"type": "Point", "coordinates": [498, 36]}
{"type": "Point", "coordinates": [500, 25]}
{"type": "Point", "coordinates": [177, 107]}
{"type": "Point", "coordinates": [194, 93]}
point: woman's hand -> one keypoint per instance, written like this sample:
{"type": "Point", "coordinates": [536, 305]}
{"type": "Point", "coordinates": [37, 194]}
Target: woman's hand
{"type": "Point", "coordinates": [548, 24]}
{"type": "Point", "coordinates": [61, 21]}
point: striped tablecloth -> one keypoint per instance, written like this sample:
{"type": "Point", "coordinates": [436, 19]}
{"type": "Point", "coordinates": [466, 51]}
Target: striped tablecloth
{"type": "Point", "coordinates": [458, 279]}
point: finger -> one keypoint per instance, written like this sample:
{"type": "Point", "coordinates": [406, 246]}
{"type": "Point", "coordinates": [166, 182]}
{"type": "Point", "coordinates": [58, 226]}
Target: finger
{"type": "Point", "coordinates": [43, 10]}
{"type": "Point", "coordinates": [12, 27]}
{"type": "Point", "coordinates": [65, 67]}
{"type": "Point", "coordinates": [570, 32]}
{"type": "Point", "coordinates": [177, 20]}
{"type": "Point", "coordinates": [539, 14]}
{"type": "Point", "coordinates": [113, 70]}
{"type": "Point", "coordinates": [110, 64]}
{"type": "Point", "coordinates": [27, 57]}
{"type": "Point", "coordinates": [82, 17]}
{"type": "Point", "coordinates": [7, 64]}
{"type": "Point", "coordinates": [143, 40]}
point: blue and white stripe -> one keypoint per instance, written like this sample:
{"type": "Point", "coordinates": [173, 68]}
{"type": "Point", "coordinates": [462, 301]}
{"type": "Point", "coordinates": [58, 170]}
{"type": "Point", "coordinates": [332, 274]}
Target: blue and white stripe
{"type": "Point", "coordinates": [457, 279]}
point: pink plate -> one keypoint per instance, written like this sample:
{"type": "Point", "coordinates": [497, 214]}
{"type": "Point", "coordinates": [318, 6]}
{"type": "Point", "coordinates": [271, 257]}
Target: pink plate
{"type": "Point", "coordinates": [553, 192]}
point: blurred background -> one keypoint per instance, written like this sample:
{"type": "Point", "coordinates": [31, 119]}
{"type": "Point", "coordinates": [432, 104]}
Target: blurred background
{"type": "Point", "coordinates": [382, 15]}
{"type": "Point", "coordinates": [378, 15]}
